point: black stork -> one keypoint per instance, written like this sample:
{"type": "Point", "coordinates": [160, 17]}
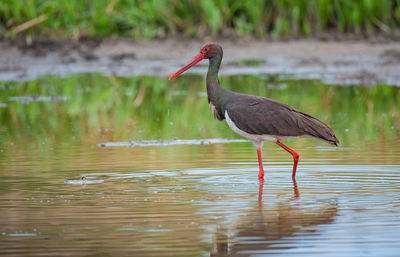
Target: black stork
{"type": "Point", "coordinates": [257, 118]}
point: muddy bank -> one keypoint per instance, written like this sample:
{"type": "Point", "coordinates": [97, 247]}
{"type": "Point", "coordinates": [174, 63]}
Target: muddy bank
{"type": "Point", "coordinates": [336, 62]}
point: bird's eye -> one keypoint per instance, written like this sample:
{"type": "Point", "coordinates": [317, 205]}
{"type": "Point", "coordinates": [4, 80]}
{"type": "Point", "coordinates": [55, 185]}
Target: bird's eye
{"type": "Point", "coordinates": [205, 49]}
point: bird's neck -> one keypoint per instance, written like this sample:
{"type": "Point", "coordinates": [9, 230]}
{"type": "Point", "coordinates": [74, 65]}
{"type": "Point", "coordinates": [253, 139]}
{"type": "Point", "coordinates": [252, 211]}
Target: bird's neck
{"type": "Point", "coordinates": [217, 96]}
{"type": "Point", "coordinates": [212, 74]}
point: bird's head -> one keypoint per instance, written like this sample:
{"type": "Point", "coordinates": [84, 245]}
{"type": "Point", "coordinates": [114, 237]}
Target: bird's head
{"type": "Point", "coordinates": [208, 51]}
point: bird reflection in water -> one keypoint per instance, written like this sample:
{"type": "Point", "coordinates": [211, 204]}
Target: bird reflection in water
{"type": "Point", "coordinates": [262, 228]}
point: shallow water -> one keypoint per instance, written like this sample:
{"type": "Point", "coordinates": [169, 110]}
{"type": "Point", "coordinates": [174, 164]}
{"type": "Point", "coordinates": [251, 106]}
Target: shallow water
{"type": "Point", "coordinates": [193, 199]}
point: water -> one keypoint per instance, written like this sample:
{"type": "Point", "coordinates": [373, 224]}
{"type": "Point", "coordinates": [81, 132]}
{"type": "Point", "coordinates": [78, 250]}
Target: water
{"type": "Point", "coordinates": [193, 199]}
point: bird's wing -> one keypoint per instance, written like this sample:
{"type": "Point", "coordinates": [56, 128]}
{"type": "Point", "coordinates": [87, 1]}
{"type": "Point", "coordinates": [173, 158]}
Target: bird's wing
{"type": "Point", "coordinates": [264, 116]}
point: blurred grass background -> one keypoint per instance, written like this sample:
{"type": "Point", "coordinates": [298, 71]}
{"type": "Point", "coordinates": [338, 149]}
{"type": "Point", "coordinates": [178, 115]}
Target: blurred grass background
{"type": "Point", "coordinates": [158, 18]}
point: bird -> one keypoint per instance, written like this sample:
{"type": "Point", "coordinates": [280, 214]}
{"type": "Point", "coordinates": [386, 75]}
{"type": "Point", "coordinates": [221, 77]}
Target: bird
{"type": "Point", "coordinates": [257, 118]}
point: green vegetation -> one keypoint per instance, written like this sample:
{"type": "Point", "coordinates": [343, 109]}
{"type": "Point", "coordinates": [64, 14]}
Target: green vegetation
{"type": "Point", "coordinates": [98, 108]}
{"type": "Point", "coordinates": [158, 18]}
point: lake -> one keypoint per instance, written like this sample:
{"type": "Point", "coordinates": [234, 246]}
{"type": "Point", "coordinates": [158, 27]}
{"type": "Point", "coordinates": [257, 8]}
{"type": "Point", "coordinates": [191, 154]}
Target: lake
{"type": "Point", "coordinates": [165, 189]}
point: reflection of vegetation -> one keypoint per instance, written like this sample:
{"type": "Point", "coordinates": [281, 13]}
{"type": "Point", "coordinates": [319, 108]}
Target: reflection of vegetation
{"type": "Point", "coordinates": [249, 62]}
{"type": "Point", "coordinates": [155, 108]}
{"type": "Point", "coordinates": [156, 18]}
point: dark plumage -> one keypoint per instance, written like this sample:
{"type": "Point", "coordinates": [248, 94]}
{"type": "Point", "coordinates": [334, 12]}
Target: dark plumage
{"type": "Point", "coordinates": [264, 116]}
{"type": "Point", "coordinates": [257, 118]}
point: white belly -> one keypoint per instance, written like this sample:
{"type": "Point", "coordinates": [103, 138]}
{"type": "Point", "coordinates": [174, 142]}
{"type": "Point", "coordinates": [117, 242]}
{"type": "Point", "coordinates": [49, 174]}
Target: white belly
{"type": "Point", "coordinates": [258, 140]}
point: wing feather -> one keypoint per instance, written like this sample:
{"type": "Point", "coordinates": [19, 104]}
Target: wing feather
{"type": "Point", "coordinates": [264, 116]}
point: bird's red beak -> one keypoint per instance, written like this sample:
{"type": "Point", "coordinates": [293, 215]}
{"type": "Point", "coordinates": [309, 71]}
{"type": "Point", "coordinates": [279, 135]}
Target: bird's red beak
{"type": "Point", "coordinates": [196, 59]}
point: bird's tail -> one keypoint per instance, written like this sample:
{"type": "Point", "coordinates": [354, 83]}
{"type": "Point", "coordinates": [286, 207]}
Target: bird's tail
{"type": "Point", "coordinates": [318, 129]}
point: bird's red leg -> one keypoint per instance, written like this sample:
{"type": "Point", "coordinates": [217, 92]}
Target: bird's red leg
{"type": "Point", "coordinates": [261, 172]}
{"type": "Point", "coordinates": [260, 193]}
{"type": "Point", "coordinates": [295, 157]}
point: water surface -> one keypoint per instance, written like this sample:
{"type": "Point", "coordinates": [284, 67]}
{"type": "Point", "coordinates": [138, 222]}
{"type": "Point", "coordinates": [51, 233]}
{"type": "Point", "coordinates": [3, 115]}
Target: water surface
{"type": "Point", "coordinates": [193, 199]}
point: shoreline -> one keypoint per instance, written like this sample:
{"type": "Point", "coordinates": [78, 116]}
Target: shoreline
{"type": "Point", "coordinates": [333, 62]}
